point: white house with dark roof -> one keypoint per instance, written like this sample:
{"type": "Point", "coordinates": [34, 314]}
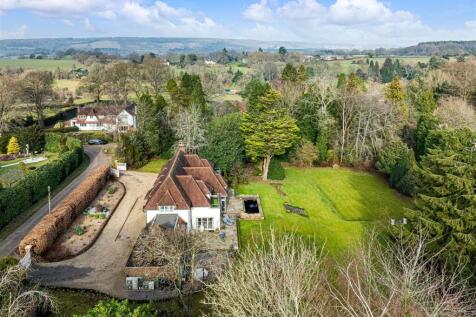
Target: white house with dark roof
{"type": "Point", "coordinates": [106, 118]}
{"type": "Point", "coordinates": [188, 187]}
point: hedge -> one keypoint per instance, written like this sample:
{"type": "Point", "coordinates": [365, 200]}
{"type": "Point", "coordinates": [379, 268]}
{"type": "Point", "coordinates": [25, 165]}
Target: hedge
{"type": "Point", "coordinates": [54, 224]}
{"type": "Point", "coordinates": [34, 186]}
{"type": "Point", "coordinates": [53, 142]}
{"type": "Point", "coordinates": [62, 130]}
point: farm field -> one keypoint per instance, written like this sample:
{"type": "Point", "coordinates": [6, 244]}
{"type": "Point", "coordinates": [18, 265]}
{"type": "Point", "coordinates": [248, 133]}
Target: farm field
{"type": "Point", "coordinates": [40, 64]}
{"type": "Point", "coordinates": [350, 65]}
{"type": "Point", "coordinates": [340, 203]}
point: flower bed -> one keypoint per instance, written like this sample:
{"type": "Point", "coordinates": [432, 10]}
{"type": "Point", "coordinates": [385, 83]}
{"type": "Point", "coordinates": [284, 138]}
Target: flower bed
{"type": "Point", "coordinates": [85, 229]}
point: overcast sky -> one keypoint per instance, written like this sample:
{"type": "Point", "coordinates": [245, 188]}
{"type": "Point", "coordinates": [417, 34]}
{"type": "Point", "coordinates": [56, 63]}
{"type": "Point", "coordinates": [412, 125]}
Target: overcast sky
{"type": "Point", "coordinates": [323, 23]}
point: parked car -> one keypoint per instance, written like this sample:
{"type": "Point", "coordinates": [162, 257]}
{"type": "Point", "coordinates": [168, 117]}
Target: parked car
{"type": "Point", "coordinates": [96, 142]}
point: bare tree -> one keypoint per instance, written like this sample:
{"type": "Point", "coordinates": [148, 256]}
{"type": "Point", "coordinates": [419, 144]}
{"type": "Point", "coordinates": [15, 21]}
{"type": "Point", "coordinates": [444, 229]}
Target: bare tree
{"type": "Point", "coordinates": [288, 276]}
{"type": "Point", "coordinates": [347, 104]}
{"type": "Point", "coordinates": [7, 99]}
{"type": "Point", "coordinates": [399, 278]}
{"type": "Point", "coordinates": [189, 128]}
{"type": "Point", "coordinates": [280, 278]}
{"type": "Point", "coordinates": [19, 300]}
{"type": "Point", "coordinates": [118, 81]}
{"type": "Point", "coordinates": [95, 82]}
{"type": "Point", "coordinates": [456, 113]}
{"type": "Point", "coordinates": [156, 73]}
{"type": "Point", "coordinates": [36, 89]}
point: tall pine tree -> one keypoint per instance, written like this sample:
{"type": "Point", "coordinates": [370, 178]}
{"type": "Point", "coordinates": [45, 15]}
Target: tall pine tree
{"type": "Point", "coordinates": [446, 205]}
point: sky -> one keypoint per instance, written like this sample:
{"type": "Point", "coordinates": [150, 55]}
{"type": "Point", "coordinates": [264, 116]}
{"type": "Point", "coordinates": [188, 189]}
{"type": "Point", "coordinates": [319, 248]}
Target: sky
{"type": "Point", "coordinates": [323, 23]}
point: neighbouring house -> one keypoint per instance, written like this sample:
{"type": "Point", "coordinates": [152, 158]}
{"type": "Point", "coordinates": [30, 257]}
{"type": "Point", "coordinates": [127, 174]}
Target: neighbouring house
{"type": "Point", "coordinates": [107, 118]}
{"type": "Point", "coordinates": [189, 188]}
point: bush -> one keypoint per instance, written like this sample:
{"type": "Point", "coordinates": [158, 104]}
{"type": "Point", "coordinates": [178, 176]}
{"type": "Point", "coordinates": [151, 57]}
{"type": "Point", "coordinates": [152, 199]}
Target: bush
{"type": "Point", "coordinates": [85, 136]}
{"type": "Point", "coordinates": [305, 155]}
{"type": "Point", "coordinates": [6, 262]}
{"type": "Point", "coordinates": [34, 186]}
{"type": "Point", "coordinates": [396, 161]}
{"type": "Point", "coordinates": [54, 142]}
{"type": "Point", "coordinates": [123, 309]}
{"type": "Point", "coordinates": [276, 171]}
{"type": "Point", "coordinates": [62, 129]}
{"type": "Point", "coordinates": [33, 135]}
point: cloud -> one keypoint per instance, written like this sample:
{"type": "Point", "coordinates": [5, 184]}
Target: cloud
{"type": "Point", "coordinates": [57, 7]}
{"type": "Point", "coordinates": [165, 20]}
{"type": "Point", "coordinates": [67, 22]}
{"type": "Point", "coordinates": [345, 23]}
{"type": "Point", "coordinates": [19, 33]}
{"type": "Point", "coordinates": [301, 9]}
{"type": "Point", "coordinates": [471, 24]}
{"type": "Point", "coordinates": [259, 12]}
{"type": "Point", "coordinates": [88, 26]}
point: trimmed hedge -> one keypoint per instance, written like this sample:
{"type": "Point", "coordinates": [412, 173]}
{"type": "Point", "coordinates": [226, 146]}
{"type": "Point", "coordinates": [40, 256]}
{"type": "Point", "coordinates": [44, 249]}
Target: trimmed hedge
{"type": "Point", "coordinates": [34, 186]}
{"type": "Point", "coordinates": [63, 130]}
{"type": "Point", "coordinates": [54, 224]}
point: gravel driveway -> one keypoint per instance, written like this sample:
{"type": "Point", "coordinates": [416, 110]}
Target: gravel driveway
{"type": "Point", "coordinates": [101, 268]}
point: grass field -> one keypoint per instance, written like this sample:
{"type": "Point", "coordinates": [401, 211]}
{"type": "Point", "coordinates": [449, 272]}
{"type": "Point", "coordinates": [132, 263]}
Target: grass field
{"type": "Point", "coordinates": [154, 166]}
{"type": "Point", "coordinates": [340, 203]}
{"type": "Point", "coordinates": [41, 64]}
{"type": "Point", "coordinates": [348, 66]}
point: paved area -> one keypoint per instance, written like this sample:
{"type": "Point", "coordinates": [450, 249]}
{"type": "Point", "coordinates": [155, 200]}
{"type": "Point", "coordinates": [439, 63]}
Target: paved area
{"type": "Point", "coordinates": [101, 268]}
{"type": "Point", "coordinates": [10, 244]}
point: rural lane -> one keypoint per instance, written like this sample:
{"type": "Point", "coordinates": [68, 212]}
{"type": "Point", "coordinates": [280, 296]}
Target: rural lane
{"type": "Point", "coordinates": [10, 243]}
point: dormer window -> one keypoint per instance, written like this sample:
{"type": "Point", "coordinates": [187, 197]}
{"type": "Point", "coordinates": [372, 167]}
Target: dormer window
{"type": "Point", "coordinates": [166, 208]}
{"type": "Point", "coordinates": [82, 117]}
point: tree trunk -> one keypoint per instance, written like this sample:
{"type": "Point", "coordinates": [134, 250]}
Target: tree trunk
{"type": "Point", "coordinates": [265, 167]}
{"type": "Point", "coordinates": [39, 113]}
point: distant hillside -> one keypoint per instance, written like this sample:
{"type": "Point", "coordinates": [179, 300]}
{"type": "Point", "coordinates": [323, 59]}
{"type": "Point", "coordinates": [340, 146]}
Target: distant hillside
{"type": "Point", "coordinates": [126, 45]}
{"type": "Point", "coordinates": [436, 48]}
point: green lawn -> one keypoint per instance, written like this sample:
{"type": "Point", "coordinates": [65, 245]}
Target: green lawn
{"type": "Point", "coordinates": [340, 203]}
{"type": "Point", "coordinates": [40, 64]}
{"type": "Point", "coordinates": [11, 174]}
{"type": "Point", "coordinates": [154, 166]}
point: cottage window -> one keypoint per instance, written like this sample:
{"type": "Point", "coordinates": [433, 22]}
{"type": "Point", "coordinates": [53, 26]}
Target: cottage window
{"type": "Point", "coordinates": [166, 208]}
{"type": "Point", "coordinates": [82, 117]}
{"type": "Point", "coordinates": [83, 124]}
{"type": "Point", "coordinates": [206, 223]}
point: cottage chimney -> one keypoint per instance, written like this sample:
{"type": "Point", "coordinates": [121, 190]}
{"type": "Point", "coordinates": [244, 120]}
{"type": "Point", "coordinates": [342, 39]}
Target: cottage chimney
{"type": "Point", "coordinates": [181, 147]}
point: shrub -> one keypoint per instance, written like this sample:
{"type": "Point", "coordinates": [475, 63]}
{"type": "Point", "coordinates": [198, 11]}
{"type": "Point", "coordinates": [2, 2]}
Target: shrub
{"type": "Point", "coordinates": [33, 135]}
{"type": "Point", "coordinates": [85, 136]}
{"type": "Point", "coordinates": [54, 142]}
{"type": "Point", "coordinates": [276, 171]}
{"type": "Point", "coordinates": [79, 231]}
{"type": "Point", "coordinates": [124, 309]}
{"type": "Point", "coordinates": [6, 262]}
{"type": "Point", "coordinates": [305, 155]}
{"type": "Point", "coordinates": [13, 146]}
{"type": "Point", "coordinates": [111, 190]}
{"type": "Point", "coordinates": [63, 129]}
{"type": "Point", "coordinates": [396, 161]}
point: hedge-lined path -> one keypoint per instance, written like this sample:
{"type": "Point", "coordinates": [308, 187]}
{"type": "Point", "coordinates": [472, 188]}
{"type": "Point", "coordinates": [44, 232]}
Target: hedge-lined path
{"type": "Point", "coordinates": [9, 245]}
{"type": "Point", "coordinates": [101, 267]}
